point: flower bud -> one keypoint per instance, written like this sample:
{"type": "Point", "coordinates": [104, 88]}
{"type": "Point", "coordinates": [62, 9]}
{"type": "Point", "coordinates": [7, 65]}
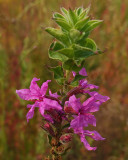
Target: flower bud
{"type": "Point", "coordinates": [65, 138]}
{"type": "Point", "coordinates": [48, 128]}
{"type": "Point", "coordinates": [69, 110]}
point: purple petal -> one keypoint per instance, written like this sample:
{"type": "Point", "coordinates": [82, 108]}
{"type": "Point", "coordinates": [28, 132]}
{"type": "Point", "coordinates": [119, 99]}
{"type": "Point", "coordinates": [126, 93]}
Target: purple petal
{"type": "Point", "coordinates": [83, 83]}
{"type": "Point", "coordinates": [86, 85]}
{"type": "Point", "coordinates": [78, 123]}
{"type": "Point", "coordinates": [81, 121]}
{"type": "Point", "coordinates": [36, 104]}
{"type": "Point", "coordinates": [99, 96]}
{"type": "Point", "coordinates": [83, 72]}
{"type": "Point", "coordinates": [90, 105]}
{"type": "Point", "coordinates": [92, 86]}
{"type": "Point", "coordinates": [41, 108]}
{"type": "Point", "coordinates": [88, 102]}
{"type": "Point", "coordinates": [51, 104]}
{"type": "Point", "coordinates": [94, 135]}
{"type": "Point", "coordinates": [90, 119]}
{"type": "Point", "coordinates": [86, 144]}
{"type": "Point", "coordinates": [26, 94]}
{"type": "Point", "coordinates": [74, 103]}
{"type": "Point", "coordinates": [34, 88]}
{"type": "Point", "coordinates": [30, 113]}
{"type": "Point", "coordinates": [48, 118]}
{"type": "Point", "coordinates": [55, 95]}
{"type": "Point", "coordinates": [94, 107]}
{"type": "Point", "coordinates": [44, 87]}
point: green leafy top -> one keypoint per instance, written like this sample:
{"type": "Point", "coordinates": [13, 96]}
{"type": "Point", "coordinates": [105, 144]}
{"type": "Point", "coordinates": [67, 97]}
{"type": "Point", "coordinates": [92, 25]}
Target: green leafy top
{"type": "Point", "coordinates": [72, 44]}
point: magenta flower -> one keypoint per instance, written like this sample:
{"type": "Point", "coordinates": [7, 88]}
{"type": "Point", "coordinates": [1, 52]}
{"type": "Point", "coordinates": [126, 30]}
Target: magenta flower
{"type": "Point", "coordinates": [84, 83]}
{"type": "Point", "coordinates": [55, 95]}
{"type": "Point", "coordinates": [86, 87]}
{"type": "Point", "coordinates": [37, 94]}
{"type": "Point", "coordinates": [83, 116]}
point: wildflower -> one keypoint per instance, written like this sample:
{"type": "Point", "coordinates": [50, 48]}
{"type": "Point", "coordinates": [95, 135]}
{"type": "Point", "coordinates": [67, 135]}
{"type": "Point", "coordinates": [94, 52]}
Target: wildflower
{"type": "Point", "coordinates": [84, 83]}
{"type": "Point", "coordinates": [37, 94]}
{"type": "Point", "coordinates": [83, 115]}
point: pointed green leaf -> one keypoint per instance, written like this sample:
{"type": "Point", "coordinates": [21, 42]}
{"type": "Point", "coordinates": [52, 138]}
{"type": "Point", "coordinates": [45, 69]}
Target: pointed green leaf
{"type": "Point", "coordinates": [84, 13]}
{"type": "Point", "coordinates": [79, 10]}
{"type": "Point", "coordinates": [82, 52]}
{"type": "Point", "coordinates": [58, 15]}
{"type": "Point", "coordinates": [73, 16]}
{"type": "Point", "coordinates": [65, 13]}
{"type": "Point", "coordinates": [80, 24]}
{"type": "Point", "coordinates": [89, 43]}
{"type": "Point", "coordinates": [91, 25]}
{"type": "Point", "coordinates": [57, 51]}
{"type": "Point", "coordinates": [53, 52]}
{"type": "Point", "coordinates": [87, 9]}
{"type": "Point", "coordinates": [94, 25]}
{"type": "Point", "coordinates": [63, 24]}
{"type": "Point", "coordinates": [59, 35]}
{"type": "Point", "coordinates": [68, 52]}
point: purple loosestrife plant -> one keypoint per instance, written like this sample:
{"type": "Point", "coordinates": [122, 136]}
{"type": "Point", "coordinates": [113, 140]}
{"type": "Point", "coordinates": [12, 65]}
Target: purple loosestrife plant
{"type": "Point", "coordinates": [63, 112]}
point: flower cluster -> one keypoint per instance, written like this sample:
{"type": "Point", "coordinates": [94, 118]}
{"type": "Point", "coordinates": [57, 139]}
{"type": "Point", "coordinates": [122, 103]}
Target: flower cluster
{"type": "Point", "coordinates": [78, 114]}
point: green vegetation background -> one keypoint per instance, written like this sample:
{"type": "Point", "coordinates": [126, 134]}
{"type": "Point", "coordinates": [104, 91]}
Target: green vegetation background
{"type": "Point", "coordinates": [23, 55]}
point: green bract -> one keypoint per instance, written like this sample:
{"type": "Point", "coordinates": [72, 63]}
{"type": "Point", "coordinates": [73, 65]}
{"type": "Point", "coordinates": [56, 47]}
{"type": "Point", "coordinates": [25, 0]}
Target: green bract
{"type": "Point", "coordinates": [72, 44]}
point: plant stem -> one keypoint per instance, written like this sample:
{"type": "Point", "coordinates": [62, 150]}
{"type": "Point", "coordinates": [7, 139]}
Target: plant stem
{"type": "Point", "coordinates": [67, 75]}
{"type": "Point", "coordinates": [55, 140]}
{"type": "Point", "coordinates": [65, 87]}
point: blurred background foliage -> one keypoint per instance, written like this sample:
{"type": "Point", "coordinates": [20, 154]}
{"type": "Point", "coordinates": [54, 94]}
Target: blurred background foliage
{"type": "Point", "coordinates": [23, 55]}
